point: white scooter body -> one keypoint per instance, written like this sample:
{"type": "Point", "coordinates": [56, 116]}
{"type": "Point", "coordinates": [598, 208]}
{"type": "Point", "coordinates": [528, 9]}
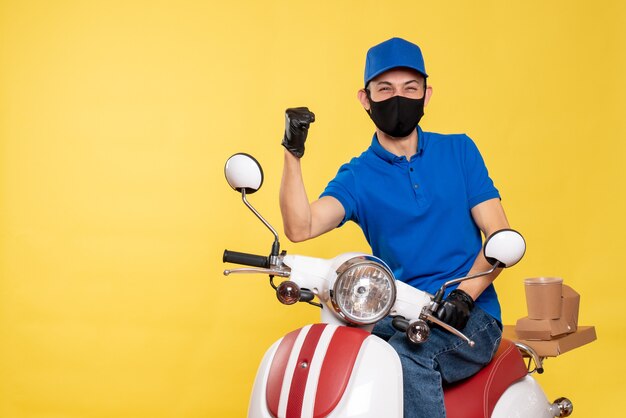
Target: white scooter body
{"type": "Point", "coordinates": [524, 399]}
{"type": "Point", "coordinates": [375, 387]}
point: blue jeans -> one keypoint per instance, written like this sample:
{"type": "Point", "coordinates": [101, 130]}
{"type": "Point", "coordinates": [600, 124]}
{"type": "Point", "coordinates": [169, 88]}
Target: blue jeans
{"type": "Point", "coordinates": [444, 358]}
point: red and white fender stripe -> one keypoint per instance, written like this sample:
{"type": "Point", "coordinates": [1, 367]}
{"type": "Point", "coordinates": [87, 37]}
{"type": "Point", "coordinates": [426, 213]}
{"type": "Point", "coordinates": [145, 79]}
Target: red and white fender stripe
{"type": "Point", "coordinates": [300, 383]}
{"type": "Point", "coordinates": [294, 389]}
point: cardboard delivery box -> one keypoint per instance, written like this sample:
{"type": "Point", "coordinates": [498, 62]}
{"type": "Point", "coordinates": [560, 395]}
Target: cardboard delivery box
{"type": "Point", "coordinates": [548, 329]}
{"type": "Point", "coordinates": [552, 348]}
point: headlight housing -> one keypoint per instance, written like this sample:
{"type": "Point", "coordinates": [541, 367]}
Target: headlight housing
{"type": "Point", "coordinates": [364, 291]}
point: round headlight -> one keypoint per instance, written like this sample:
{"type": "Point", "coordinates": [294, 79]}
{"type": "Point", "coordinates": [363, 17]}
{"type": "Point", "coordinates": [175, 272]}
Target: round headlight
{"type": "Point", "coordinates": [365, 290]}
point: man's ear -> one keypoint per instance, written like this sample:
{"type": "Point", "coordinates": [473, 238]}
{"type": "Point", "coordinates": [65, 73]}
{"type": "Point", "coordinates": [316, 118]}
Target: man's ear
{"type": "Point", "coordinates": [365, 102]}
{"type": "Point", "coordinates": [429, 93]}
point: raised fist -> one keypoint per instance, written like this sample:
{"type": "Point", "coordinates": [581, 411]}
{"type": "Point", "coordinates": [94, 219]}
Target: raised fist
{"type": "Point", "coordinates": [297, 121]}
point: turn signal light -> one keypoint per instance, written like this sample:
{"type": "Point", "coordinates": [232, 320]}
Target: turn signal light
{"type": "Point", "coordinates": [288, 293]}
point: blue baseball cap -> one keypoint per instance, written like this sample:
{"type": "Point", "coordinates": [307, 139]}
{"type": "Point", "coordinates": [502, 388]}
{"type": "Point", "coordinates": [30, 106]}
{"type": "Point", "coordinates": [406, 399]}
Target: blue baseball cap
{"type": "Point", "coordinates": [393, 53]}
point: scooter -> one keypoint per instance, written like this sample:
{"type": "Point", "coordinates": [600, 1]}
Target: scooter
{"type": "Point", "coordinates": [337, 368]}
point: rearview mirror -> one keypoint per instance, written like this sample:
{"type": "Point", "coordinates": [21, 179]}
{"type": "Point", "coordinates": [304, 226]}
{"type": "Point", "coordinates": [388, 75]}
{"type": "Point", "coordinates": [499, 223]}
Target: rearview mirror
{"type": "Point", "coordinates": [243, 172]}
{"type": "Point", "coordinates": [505, 247]}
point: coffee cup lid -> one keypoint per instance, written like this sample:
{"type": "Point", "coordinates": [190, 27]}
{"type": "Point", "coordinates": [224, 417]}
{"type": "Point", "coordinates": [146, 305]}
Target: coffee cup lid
{"type": "Point", "coordinates": [543, 280]}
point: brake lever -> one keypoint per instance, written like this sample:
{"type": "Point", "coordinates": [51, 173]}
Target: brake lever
{"type": "Point", "coordinates": [247, 270]}
{"type": "Point", "coordinates": [429, 317]}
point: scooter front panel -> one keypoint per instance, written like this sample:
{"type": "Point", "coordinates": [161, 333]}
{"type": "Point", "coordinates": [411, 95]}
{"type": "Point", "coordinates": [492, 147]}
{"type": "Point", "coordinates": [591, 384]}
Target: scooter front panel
{"type": "Point", "coordinates": [319, 371]}
{"type": "Point", "coordinates": [375, 389]}
{"type": "Point", "coordinates": [338, 366]}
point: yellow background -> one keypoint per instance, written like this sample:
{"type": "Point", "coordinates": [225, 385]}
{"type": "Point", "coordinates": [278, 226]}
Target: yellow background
{"type": "Point", "coordinates": [116, 118]}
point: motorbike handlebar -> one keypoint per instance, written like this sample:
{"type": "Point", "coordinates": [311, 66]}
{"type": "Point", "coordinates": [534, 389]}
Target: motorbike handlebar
{"type": "Point", "coordinates": [245, 259]}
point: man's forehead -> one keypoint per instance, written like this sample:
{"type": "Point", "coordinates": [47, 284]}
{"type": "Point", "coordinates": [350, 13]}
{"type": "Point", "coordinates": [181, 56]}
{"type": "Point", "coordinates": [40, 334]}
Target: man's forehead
{"type": "Point", "coordinates": [401, 75]}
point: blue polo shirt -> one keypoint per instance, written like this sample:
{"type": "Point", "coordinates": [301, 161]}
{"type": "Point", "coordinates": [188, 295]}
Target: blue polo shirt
{"type": "Point", "coordinates": [416, 214]}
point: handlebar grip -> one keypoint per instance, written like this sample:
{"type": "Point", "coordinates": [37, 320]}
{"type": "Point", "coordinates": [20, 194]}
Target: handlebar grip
{"type": "Point", "coordinates": [246, 259]}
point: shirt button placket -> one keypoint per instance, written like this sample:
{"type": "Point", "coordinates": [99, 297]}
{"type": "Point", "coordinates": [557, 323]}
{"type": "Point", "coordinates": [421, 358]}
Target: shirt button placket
{"type": "Point", "coordinates": [416, 186]}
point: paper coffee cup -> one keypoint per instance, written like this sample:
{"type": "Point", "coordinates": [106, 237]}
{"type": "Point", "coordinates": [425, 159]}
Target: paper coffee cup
{"type": "Point", "coordinates": [543, 297]}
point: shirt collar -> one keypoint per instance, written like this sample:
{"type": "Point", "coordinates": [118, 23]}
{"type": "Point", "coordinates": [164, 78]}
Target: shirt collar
{"type": "Point", "coordinates": [391, 158]}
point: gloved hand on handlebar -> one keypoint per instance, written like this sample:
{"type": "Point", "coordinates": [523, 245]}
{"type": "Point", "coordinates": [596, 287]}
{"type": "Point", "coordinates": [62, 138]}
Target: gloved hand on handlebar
{"type": "Point", "coordinates": [297, 121]}
{"type": "Point", "coordinates": [455, 309]}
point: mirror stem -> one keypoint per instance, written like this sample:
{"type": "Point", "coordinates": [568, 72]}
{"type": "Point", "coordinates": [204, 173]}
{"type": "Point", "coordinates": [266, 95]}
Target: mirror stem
{"type": "Point", "coordinates": [276, 245]}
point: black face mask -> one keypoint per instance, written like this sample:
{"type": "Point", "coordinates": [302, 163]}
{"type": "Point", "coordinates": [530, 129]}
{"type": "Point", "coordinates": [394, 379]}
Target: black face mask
{"type": "Point", "coordinates": [396, 116]}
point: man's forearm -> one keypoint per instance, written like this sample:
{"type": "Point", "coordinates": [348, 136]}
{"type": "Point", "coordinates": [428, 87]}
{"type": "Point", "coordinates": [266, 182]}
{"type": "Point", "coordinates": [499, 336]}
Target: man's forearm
{"type": "Point", "coordinates": [475, 287]}
{"type": "Point", "coordinates": [490, 217]}
{"type": "Point", "coordinates": [294, 202]}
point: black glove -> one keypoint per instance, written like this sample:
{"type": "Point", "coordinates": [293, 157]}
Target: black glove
{"type": "Point", "coordinates": [297, 121]}
{"type": "Point", "coordinates": [455, 309]}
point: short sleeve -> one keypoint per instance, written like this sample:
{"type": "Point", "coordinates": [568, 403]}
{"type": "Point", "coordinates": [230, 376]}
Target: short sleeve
{"type": "Point", "coordinates": [479, 185]}
{"type": "Point", "coordinates": [342, 188]}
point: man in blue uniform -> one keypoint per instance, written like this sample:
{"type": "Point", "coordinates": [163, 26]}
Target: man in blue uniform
{"type": "Point", "coordinates": [422, 200]}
